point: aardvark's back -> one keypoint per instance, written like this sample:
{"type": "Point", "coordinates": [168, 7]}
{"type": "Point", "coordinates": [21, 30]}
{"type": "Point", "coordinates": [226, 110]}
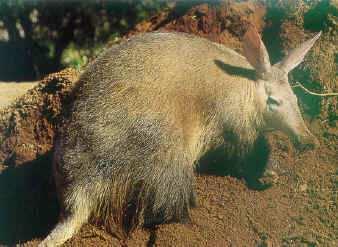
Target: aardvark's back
{"type": "Point", "coordinates": [168, 75]}
{"type": "Point", "coordinates": [165, 65]}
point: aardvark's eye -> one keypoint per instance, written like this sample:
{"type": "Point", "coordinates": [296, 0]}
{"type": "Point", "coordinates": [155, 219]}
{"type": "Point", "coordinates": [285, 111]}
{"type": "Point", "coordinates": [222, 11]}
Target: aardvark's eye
{"type": "Point", "coordinates": [273, 101]}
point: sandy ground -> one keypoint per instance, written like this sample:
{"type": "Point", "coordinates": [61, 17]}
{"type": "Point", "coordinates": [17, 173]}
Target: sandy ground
{"type": "Point", "coordinates": [9, 91]}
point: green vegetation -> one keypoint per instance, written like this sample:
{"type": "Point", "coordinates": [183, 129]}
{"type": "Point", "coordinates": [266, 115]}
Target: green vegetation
{"type": "Point", "coordinates": [39, 37]}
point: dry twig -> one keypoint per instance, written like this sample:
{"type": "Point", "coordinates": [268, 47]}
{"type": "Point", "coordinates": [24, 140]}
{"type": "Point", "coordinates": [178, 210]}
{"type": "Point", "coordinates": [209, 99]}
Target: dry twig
{"type": "Point", "coordinates": [298, 84]}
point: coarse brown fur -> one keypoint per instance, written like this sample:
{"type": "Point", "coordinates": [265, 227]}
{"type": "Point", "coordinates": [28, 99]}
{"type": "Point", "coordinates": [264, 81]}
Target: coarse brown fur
{"type": "Point", "coordinates": [137, 139]}
{"type": "Point", "coordinates": [145, 112]}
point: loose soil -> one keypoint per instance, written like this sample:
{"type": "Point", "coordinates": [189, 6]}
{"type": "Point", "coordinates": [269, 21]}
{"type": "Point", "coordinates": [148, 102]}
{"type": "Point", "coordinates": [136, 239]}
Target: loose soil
{"type": "Point", "coordinates": [299, 207]}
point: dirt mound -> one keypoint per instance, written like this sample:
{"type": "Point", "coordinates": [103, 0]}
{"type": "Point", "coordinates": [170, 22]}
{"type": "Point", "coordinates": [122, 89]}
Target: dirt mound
{"type": "Point", "coordinates": [28, 202]}
{"type": "Point", "coordinates": [224, 23]}
{"type": "Point", "coordinates": [298, 210]}
{"type": "Point", "coordinates": [28, 125]}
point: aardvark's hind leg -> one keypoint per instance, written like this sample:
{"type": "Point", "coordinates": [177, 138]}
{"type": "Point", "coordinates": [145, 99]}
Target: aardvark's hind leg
{"type": "Point", "coordinates": [67, 227]}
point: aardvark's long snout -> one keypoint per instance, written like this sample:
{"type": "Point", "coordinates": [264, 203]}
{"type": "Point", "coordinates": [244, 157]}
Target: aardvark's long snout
{"type": "Point", "coordinates": [306, 140]}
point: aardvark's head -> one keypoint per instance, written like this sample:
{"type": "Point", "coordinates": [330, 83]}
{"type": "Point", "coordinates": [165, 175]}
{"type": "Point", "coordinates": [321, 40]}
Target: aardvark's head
{"type": "Point", "coordinates": [281, 110]}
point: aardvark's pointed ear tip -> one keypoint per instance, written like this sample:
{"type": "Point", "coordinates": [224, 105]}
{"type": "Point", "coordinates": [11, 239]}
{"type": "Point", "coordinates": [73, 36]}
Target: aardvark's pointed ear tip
{"type": "Point", "coordinates": [296, 56]}
{"type": "Point", "coordinates": [318, 35]}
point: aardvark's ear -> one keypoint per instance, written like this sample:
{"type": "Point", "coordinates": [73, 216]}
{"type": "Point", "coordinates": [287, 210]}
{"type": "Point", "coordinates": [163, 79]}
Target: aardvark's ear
{"type": "Point", "coordinates": [255, 51]}
{"type": "Point", "coordinates": [296, 56]}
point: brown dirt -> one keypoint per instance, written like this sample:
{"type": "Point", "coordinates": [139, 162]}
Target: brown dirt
{"type": "Point", "coordinates": [298, 210]}
{"type": "Point", "coordinates": [28, 125]}
{"type": "Point", "coordinates": [224, 23]}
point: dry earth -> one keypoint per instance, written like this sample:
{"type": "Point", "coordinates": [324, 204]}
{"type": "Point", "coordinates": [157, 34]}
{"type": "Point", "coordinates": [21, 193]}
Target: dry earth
{"type": "Point", "coordinates": [299, 209]}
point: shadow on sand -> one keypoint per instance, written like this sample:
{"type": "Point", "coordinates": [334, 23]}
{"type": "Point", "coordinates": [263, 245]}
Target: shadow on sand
{"type": "Point", "coordinates": [251, 168]}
